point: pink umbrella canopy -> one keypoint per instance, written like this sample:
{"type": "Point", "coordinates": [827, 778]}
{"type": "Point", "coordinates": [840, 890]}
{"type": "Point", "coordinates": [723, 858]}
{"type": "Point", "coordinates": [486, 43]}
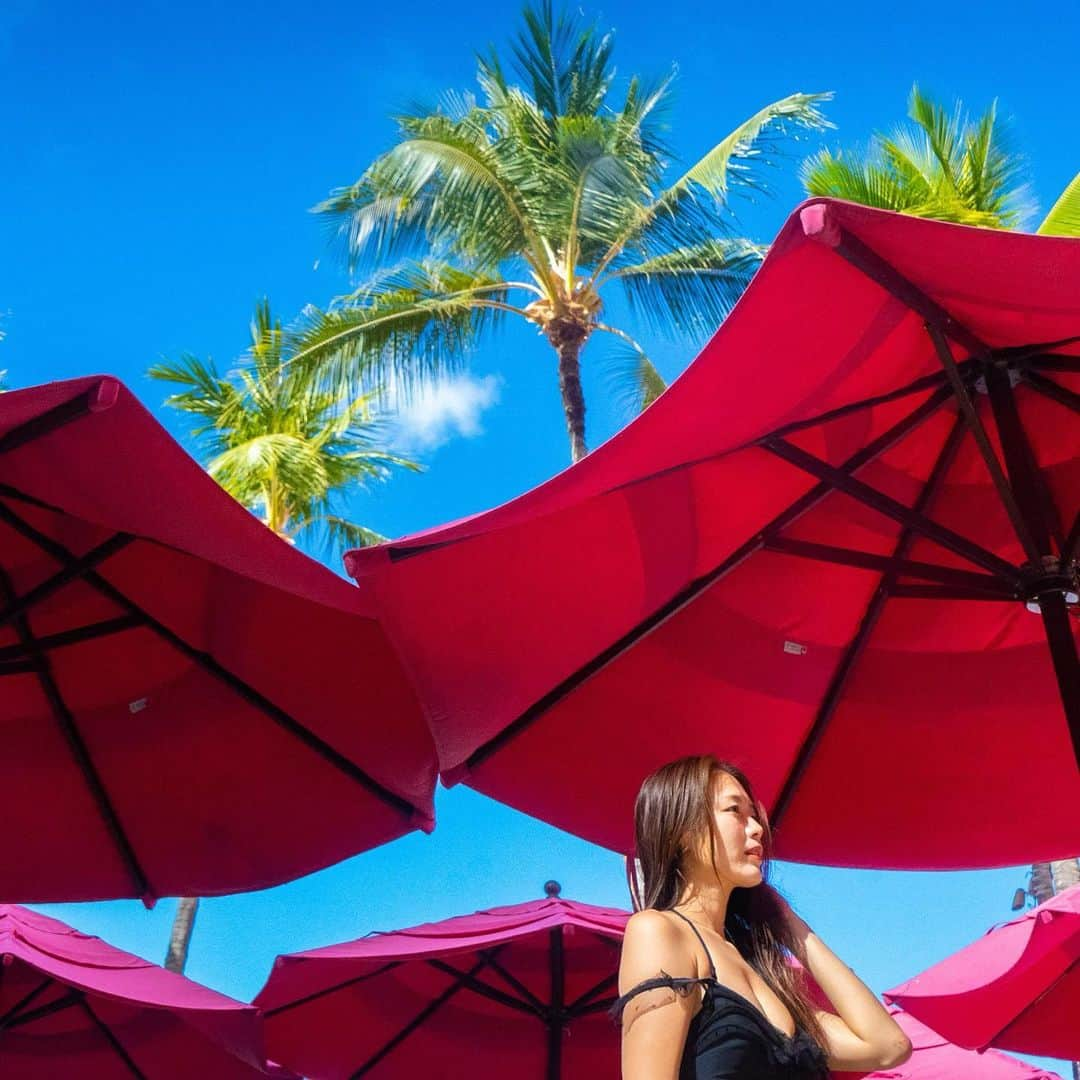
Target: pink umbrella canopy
{"type": "Point", "coordinates": [71, 1005]}
{"type": "Point", "coordinates": [519, 991]}
{"type": "Point", "coordinates": [933, 1058]}
{"type": "Point", "coordinates": [190, 705]}
{"type": "Point", "coordinates": [840, 551]}
{"type": "Point", "coordinates": [1016, 988]}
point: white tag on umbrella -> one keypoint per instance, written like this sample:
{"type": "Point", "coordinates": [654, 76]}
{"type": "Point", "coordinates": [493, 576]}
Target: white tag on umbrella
{"type": "Point", "coordinates": [794, 648]}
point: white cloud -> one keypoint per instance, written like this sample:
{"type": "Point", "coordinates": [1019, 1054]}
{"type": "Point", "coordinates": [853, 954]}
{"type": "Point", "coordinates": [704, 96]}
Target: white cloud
{"type": "Point", "coordinates": [439, 411]}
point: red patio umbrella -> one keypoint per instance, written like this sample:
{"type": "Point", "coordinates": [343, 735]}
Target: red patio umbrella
{"type": "Point", "coordinates": [841, 550]}
{"type": "Point", "coordinates": [190, 705]}
{"type": "Point", "coordinates": [1016, 988]}
{"type": "Point", "coordinates": [519, 991]}
{"type": "Point", "coordinates": [71, 1005]}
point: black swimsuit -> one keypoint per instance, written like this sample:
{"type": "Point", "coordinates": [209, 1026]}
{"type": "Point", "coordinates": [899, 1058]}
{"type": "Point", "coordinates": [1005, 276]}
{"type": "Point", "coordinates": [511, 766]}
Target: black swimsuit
{"type": "Point", "coordinates": [731, 1039]}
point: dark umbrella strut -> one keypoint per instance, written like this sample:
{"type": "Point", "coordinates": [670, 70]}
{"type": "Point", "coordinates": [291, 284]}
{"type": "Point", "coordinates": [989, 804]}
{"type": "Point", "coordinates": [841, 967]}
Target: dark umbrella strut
{"type": "Point", "coordinates": [180, 714]}
{"type": "Point", "coordinates": [834, 551]}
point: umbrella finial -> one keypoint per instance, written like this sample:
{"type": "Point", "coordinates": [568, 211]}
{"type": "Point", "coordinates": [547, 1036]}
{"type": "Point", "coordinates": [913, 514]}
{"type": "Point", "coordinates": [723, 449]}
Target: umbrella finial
{"type": "Point", "coordinates": [552, 889]}
{"type": "Point", "coordinates": [818, 224]}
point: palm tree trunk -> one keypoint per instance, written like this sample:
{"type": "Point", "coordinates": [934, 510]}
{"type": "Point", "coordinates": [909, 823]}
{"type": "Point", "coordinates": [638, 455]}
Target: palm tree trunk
{"type": "Point", "coordinates": [1047, 880]}
{"type": "Point", "coordinates": [573, 399]}
{"type": "Point", "coordinates": [180, 939]}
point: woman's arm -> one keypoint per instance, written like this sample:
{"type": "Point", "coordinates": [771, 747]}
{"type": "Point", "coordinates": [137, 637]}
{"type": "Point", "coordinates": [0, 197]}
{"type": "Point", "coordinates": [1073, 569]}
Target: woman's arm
{"type": "Point", "coordinates": [863, 1036]}
{"type": "Point", "coordinates": [655, 1022]}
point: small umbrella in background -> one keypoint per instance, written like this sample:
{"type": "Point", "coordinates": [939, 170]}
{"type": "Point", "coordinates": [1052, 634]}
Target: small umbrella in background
{"type": "Point", "coordinates": [72, 1005]}
{"type": "Point", "coordinates": [190, 705]}
{"type": "Point", "coordinates": [519, 991]}
{"type": "Point", "coordinates": [1016, 988]}
{"type": "Point", "coordinates": [841, 551]}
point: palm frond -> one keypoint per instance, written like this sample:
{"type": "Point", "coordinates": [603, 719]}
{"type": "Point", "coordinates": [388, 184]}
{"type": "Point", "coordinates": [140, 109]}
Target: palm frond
{"type": "Point", "coordinates": [689, 291]}
{"type": "Point", "coordinates": [752, 142]}
{"type": "Point", "coordinates": [564, 62]}
{"type": "Point", "coordinates": [840, 176]}
{"type": "Point", "coordinates": [282, 445]}
{"type": "Point", "coordinates": [406, 327]}
{"type": "Point", "coordinates": [940, 165]}
{"type": "Point", "coordinates": [1064, 216]}
{"type": "Point", "coordinates": [633, 382]}
{"type": "Point", "coordinates": [734, 160]}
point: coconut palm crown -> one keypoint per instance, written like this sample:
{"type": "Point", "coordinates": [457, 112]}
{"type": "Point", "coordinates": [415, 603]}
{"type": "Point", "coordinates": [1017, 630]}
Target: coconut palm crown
{"type": "Point", "coordinates": [528, 201]}
{"type": "Point", "coordinates": [943, 165]}
{"type": "Point", "coordinates": [276, 446]}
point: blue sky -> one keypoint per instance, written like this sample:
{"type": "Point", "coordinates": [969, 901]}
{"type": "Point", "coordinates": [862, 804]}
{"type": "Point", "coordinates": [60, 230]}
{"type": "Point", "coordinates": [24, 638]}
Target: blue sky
{"type": "Point", "coordinates": [160, 160]}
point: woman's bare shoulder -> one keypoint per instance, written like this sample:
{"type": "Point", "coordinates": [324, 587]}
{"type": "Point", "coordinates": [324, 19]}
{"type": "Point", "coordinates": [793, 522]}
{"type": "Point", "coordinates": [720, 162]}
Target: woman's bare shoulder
{"type": "Point", "coordinates": [650, 925]}
{"type": "Point", "coordinates": [653, 943]}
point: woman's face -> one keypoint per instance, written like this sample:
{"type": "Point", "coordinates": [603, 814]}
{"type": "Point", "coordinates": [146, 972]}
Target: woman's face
{"type": "Point", "coordinates": [739, 849]}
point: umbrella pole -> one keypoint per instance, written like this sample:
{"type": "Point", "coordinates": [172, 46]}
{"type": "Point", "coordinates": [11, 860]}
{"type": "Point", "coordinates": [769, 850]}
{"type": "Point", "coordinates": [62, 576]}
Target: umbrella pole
{"type": "Point", "coordinates": [558, 998]}
{"type": "Point", "coordinates": [1035, 504]}
{"type": "Point", "coordinates": [1050, 580]}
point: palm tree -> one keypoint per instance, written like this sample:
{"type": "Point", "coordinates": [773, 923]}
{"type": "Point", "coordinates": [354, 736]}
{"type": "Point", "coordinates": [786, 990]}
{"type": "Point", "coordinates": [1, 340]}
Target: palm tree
{"type": "Point", "coordinates": [284, 451]}
{"type": "Point", "coordinates": [530, 202]}
{"type": "Point", "coordinates": [943, 165]}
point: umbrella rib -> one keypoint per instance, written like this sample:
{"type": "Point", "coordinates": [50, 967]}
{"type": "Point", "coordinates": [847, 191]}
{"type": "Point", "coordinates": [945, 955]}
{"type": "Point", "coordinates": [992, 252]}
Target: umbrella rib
{"type": "Point", "coordinates": [584, 1001]}
{"type": "Point", "coordinates": [885, 504]}
{"type": "Point", "coordinates": [478, 986]}
{"type": "Point", "coordinates": [327, 991]}
{"type": "Point", "coordinates": [1005, 492]}
{"type": "Point", "coordinates": [879, 270]}
{"type": "Point", "coordinates": [926, 382]}
{"type": "Point", "coordinates": [111, 1038]}
{"type": "Point", "coordinates": [694, 589]}
{"type": "Point", "coordinates": [56, 417]}
{"type": "Point", "coordinates": [60, 1004]}
{"type": "Point", "coordinates": [21, 1004]}
{"type": "Point", "coordinates": [18, 605]}
{"type": "Point", "coordinates": [1055, 363]}
{"type": "Point", "coordinates": [1033, 497]}
{"type": "Point", "coordinates": [1072, 541]}
{"type": "Point", "coordinates": [905, 591]}
{"type": "Point", "coordinates": [65, 720]}
{"type": "Point", "coordinates": [210, 665]}
{"type": "Point", "coordinates": [74, 636]}
{"type": "Point", "coordinates": [513, 981]}
{"type": "Point", "coordinates": [424, 1014]}
{"type": "Point", "coordinates": [865, 560]}
{"type": "Point", "coordinates": [1051, 388]}
{"type": "Point", "coordinates": [866, 628]}
{"type": "Point", "coordinates": [17, 667]}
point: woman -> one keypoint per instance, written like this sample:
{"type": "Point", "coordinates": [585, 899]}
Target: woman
{"type": "Point", "coordinates": [708, 989]}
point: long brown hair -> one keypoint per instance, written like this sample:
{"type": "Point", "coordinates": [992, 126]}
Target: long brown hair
{"type": "Point", "coordinates": [674, 805]}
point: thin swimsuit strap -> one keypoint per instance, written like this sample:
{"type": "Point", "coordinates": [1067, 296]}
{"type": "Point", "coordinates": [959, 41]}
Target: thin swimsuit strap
{"type": "Point", "coordinates": [697, 934]}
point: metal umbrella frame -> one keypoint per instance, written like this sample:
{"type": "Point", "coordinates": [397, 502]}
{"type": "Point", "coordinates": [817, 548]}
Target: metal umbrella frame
{"type": "Point", "coordinates": [482, 744]}
{"type": "Point", "coordinates": [33, 652]}
{"type": "Point", "coordinates": [487, 975]}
